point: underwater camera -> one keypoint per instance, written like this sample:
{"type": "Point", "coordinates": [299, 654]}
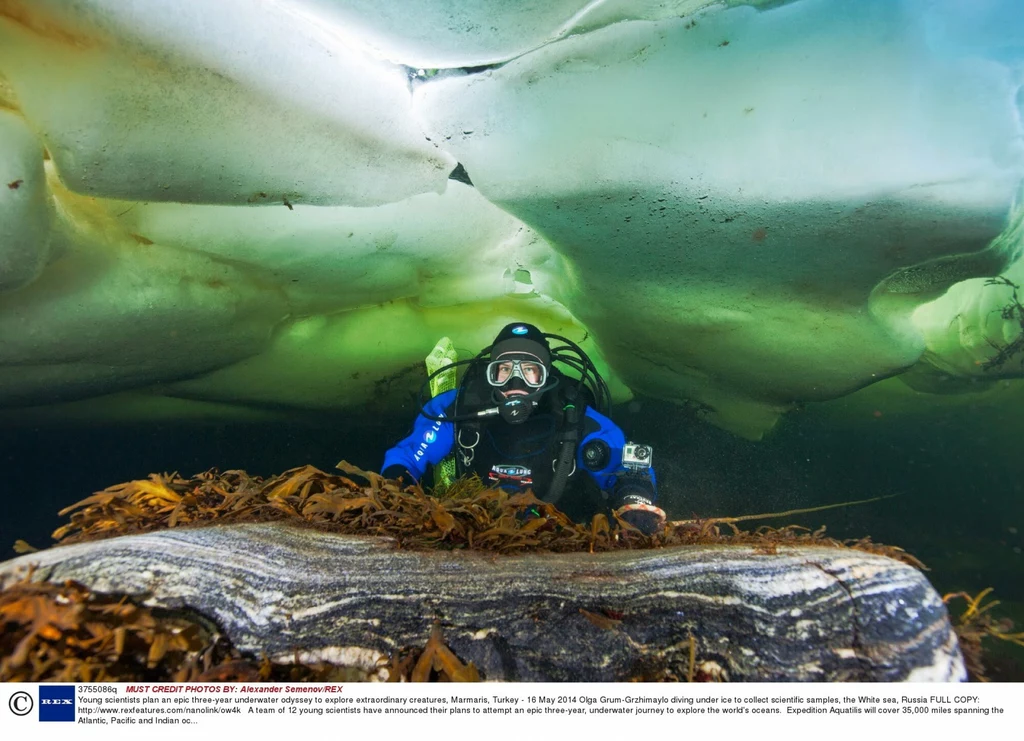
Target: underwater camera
{"type": "Point", "coordinates": [636, 457]}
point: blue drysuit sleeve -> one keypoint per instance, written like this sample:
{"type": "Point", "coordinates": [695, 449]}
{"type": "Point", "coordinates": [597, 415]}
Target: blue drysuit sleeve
{"type": "Point", "coordinates": [430, 441]}
{"type": "Point", "coordinates": [608, 477]}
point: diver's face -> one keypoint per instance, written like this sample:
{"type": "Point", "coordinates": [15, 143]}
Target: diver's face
{"type": "Point", "coordinates": [515, 376]}
{"type": "Point", "coordinates": [532, 372]}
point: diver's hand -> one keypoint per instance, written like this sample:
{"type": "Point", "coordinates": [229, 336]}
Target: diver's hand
{"type": "Point", "coordinates": [641, 513]}
{"type": "Point", "coordinates": [397, 472]}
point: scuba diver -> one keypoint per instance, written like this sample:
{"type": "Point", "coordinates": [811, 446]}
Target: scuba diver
{"type": "Point", "coordinates": [520, 423]}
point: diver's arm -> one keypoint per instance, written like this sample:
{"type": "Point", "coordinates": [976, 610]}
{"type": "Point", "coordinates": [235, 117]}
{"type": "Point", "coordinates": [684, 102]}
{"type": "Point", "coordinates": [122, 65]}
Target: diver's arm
{"type": "Point", "coordinates": [429, 442]}
{"type": "Point", "coordinates": [600, 455]}
{"type": "Point", "coordinates": [606, 439]}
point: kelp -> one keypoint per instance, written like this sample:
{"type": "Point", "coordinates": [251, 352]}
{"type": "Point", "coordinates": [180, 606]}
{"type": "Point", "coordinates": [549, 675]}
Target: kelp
{"type": "Point", "coordinates": [435, 662]}
{"type": "Point", "coordinates": [468, 515]}
{"type": "Point", "coordinates": [67, 633]}
{"type": "Point", "coordinates": [977, 624]}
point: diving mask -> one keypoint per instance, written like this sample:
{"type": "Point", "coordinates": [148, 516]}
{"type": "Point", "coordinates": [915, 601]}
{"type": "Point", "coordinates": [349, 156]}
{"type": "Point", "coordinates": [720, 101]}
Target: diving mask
{"type": "Point", "coordinates": [533, 373]}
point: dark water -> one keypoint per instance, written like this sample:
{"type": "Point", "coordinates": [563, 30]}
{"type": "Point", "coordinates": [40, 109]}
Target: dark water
{"type": "Point", "coordinates": [960, 509]}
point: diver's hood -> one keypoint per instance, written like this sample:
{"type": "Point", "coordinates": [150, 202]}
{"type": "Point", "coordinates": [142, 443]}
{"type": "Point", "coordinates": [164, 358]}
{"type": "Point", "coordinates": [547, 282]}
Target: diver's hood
{"type": "Point", "coordinates": [522, 340]}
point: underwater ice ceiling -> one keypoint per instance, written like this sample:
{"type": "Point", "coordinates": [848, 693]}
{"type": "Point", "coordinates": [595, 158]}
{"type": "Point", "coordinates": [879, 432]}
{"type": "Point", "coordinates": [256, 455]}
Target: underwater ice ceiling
{"type": "Point", "coordinates": [223, 208]}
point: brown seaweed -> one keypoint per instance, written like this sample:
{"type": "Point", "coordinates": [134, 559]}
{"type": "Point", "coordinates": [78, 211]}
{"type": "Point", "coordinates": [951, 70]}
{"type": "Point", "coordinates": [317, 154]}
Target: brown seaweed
{"type": "Point", "coordinates": [975, 625]}
{"type": "Point", "coordinates": [467, 516]}
{"type": "Point", "coordinates": [67, 633]}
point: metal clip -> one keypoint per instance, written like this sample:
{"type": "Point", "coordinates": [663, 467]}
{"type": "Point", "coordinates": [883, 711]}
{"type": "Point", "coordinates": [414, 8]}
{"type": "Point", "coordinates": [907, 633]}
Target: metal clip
{"type": "Point", "coordinates": [467, 452]}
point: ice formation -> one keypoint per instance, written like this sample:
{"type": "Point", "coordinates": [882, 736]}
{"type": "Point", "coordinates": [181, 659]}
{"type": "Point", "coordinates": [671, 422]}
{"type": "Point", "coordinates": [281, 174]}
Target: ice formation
{"type": "Point", "coordinates": [741, 205]}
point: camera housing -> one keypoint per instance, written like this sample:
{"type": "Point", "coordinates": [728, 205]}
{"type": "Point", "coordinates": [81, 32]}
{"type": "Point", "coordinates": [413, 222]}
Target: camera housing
{"type": "Point", "coordinates": [637, 457]}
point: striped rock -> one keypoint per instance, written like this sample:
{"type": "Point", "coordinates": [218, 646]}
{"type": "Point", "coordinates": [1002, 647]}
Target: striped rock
{"type": "Point", "coordinates": [803, 613]}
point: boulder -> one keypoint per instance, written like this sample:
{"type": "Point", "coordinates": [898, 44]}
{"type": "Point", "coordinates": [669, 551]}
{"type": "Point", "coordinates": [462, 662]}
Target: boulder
{"type": "Point", "coordinates": [722, 612]}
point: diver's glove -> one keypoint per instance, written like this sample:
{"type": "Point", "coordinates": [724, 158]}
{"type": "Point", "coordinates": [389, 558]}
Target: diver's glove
{"type": "Point", "coordinates": [633, 502]}
{"type": "Point", "coordinates": [397, 471]}
{"type": "Point", "coordinates": [639, 511]}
